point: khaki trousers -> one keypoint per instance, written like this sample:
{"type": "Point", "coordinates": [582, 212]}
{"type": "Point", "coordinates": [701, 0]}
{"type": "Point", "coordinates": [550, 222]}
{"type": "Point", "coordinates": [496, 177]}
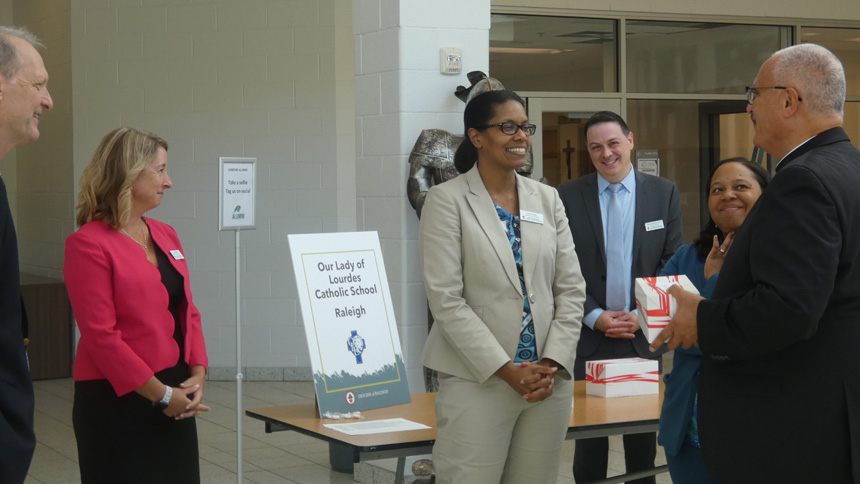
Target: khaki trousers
{"type": "Point", "coordinates": [487, 433]}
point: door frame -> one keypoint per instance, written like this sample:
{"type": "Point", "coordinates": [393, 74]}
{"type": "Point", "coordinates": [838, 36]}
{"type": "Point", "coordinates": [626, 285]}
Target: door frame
{"type": "Point", "coordinates": [709, 143]}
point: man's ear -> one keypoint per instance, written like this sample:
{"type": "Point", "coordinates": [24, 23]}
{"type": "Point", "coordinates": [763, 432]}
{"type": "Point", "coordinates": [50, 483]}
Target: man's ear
{"type": "Point", "coordinates": [792, 102]}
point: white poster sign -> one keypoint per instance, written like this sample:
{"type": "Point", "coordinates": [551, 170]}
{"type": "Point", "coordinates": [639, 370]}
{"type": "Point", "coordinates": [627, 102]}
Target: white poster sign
{"type": "Point", "coordinates": [349, 321]}
{"type": "Point", "coordinates": [237, 193]}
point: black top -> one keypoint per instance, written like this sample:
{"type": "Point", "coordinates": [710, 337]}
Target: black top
{"type": "Point", "coordinates": [174, 283]}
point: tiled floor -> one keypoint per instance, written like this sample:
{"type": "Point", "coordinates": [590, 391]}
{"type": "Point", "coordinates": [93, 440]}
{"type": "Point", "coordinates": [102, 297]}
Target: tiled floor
{"type": "Point", "coordinates": [282, 457]}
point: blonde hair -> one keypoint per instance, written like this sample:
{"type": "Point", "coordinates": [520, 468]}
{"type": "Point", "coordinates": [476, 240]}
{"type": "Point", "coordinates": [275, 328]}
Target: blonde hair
{"type": "Point", "coordinates": [106, 181]}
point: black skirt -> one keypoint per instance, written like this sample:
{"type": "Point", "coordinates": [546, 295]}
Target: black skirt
{"type": "Point", "coordinates": [125, 439]}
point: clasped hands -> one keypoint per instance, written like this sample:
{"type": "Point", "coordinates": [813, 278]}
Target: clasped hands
{"type": "Point", "coordinates": [186, 399]}
{"type": "Point", "coordinates": [534, 381]}
{"type": "Point", "coordinates": [617, 324]}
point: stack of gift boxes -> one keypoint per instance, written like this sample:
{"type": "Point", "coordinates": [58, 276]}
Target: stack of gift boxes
{"type": "Point", "coordinates": [638, 376]}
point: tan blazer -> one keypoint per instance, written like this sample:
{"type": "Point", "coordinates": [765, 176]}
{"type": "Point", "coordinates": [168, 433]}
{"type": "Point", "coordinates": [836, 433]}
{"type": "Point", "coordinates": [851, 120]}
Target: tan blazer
{"type": "Point", "coordinates": [472, 283]}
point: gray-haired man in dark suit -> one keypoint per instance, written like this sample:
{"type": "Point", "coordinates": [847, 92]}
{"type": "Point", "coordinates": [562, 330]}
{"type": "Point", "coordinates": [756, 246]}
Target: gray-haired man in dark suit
{"type": "Point", "coordinates": [780, 336]}
{"type": "Point", "coordinates": [23, 98]}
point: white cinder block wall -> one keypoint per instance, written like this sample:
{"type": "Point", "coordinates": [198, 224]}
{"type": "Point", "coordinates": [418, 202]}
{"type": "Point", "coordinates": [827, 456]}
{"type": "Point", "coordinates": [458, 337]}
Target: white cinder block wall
{"type": "Point", "coordinates": [42, 193]}
{"type": "Point", "coordinates": [399, 92]}
{"type": "Point", "coordinates": [253, 78]}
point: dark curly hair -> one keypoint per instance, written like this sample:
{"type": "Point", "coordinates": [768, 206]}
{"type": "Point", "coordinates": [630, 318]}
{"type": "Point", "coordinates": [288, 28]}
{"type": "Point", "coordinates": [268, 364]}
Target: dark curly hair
{"type": "Point", "coordinates": [706, 237]}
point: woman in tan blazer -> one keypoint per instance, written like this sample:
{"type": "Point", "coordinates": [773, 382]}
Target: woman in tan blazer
{"type": "Point", "coordinates": [506, 293]}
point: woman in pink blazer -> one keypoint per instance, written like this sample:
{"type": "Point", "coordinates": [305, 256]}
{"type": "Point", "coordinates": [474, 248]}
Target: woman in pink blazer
{"type": "Point", "coordinates": [141, 363]}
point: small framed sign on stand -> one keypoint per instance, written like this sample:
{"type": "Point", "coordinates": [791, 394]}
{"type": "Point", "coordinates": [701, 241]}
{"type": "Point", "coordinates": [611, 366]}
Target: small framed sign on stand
{"type": "Point", "coordinates": [236, 207]}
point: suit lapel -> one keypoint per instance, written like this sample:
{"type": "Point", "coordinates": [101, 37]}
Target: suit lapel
{"type": "Point", "coordinates": [591, 202]}
{"type": "Point", "coordinates": [643, 190]}
{"type": "Point", "coordinates": [482, 206]}
{"type": "Point", "coordinates": [531, 233]}
{"type": "Point", "coordinates": [163, 241]}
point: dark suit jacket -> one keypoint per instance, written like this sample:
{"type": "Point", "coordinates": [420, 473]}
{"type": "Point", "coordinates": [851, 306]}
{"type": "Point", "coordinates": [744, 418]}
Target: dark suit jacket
{"type": "Point", "coordinates": [656, 199]}
{"type": "Point", "coordinates": [121, 307]}
{"type": "Point", "coordinates": [17, 440]}
{"type": "Point", "coordinates": [781, 334]}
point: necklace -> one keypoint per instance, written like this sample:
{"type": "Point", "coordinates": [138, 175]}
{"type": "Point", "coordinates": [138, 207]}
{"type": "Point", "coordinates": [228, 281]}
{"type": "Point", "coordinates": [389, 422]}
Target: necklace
{"type": "Point", "coordinates": [132, 238]}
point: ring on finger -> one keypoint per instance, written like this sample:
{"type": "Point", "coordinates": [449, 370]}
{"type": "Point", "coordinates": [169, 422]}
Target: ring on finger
{"type": "Point", "coordinates": [722, 250]}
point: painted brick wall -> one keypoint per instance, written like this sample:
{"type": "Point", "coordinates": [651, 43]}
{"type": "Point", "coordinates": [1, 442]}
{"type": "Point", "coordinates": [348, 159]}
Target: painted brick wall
{"type": "Point", "coordinates": [251, 78]}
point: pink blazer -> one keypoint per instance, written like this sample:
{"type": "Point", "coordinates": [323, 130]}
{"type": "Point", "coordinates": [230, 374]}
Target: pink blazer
{"type": "Point", "coordinates": [121, 310]}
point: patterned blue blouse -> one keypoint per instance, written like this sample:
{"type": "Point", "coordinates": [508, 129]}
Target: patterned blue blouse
{"type": "Point", "coordinates": [526, 349]}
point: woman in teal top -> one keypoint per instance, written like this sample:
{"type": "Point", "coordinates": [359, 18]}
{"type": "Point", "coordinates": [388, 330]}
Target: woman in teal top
{"type": "Point", "coordinates": [734, 187]}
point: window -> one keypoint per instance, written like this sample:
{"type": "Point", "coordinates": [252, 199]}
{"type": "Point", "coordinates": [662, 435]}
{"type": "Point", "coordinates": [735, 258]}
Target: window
{"type": "Point", "coordinates": [556, 54]}
{"type": "Point", "coordinates": [697, 58]}
{"type": "Point", "coordinates": [845, 43]}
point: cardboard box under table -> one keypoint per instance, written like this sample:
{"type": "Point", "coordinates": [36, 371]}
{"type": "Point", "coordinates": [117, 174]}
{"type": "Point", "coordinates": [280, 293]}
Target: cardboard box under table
{"type": "Point", "coordinates": [622, 377]}
{"type": "Point", "coordinates": [656, 306]}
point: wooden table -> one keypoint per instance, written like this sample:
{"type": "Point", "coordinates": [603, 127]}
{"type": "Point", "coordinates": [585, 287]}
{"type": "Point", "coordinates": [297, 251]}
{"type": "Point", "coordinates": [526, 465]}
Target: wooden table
{"type": "Point", "coordinates": [591, 417]}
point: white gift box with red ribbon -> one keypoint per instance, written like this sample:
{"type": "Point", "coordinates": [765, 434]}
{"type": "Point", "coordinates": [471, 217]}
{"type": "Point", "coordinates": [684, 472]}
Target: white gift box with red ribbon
{"type": "Point", "coordinates": [656, 306]}
{"type": "Point", "coordinates": [622, 377]}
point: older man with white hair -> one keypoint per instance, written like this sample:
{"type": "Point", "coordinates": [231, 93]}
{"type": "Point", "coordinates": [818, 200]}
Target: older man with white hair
{"type": "Point", "coordinates": [779, 394]}
{"type": "Point", "coordinates": [23, 98]}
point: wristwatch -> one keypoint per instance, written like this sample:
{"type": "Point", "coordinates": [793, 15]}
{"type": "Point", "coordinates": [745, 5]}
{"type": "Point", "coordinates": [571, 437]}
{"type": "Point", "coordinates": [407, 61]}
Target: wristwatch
{"type": "Point", "coordinates": [165, 400]}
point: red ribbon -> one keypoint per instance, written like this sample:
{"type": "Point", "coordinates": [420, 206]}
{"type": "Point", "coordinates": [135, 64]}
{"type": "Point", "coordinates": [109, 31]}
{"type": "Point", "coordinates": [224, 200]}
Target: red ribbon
{"type": "Point", "coordinates": [639, 377]}
{"type": "Point", "coordinates": [663, 296]}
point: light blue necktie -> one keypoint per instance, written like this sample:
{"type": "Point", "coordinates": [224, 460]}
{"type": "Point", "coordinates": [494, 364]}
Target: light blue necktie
{"type": "Point", "coordinates": [616, 295]}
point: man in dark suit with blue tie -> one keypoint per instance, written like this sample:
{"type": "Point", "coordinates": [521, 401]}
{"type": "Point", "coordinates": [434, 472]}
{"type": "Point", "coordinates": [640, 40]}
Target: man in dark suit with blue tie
{"type": "Point", "coordinates": [23, 97]}
{"type": "Point", "coordinates": [625, 224]}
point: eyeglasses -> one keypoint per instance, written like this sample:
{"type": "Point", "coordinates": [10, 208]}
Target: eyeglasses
{"type": "Point", "coordinates": [511, 128]}
{"type": "Point", "coordinates": [752, 92]}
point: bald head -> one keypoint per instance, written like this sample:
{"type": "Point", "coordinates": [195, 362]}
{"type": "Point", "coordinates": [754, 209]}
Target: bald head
{"type": "Point", "coordinates": [799, 93]}
{"type": "Point", "coordinates": [817, 75]}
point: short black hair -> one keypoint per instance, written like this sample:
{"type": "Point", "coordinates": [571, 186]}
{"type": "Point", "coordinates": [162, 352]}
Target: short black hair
{"type": "Point", "coordinates": [606, 117]}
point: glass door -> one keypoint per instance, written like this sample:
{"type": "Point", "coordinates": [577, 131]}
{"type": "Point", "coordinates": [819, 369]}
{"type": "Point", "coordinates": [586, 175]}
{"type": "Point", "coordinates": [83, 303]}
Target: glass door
{"type": "Point", "coordinates": [558, 146]}
{"type": "Point", "coordinates": [725, 131]}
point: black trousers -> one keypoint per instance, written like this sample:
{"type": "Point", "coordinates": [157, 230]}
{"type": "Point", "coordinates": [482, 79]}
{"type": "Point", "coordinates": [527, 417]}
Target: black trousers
{"type": "Point", "coordinates": [591, 456]}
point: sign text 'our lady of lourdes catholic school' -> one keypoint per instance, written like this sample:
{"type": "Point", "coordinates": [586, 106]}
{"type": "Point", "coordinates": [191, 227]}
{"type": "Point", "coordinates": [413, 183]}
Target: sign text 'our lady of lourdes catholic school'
{"type": "Point", "coordinates": [349, 321]}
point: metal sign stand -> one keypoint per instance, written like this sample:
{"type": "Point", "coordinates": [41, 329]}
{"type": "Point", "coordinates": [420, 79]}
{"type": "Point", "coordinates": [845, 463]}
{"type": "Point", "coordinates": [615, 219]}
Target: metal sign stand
{"type": "Point", "coordinates": [236, 202]}
{"type": "Point", "coordinates": [239, 376]}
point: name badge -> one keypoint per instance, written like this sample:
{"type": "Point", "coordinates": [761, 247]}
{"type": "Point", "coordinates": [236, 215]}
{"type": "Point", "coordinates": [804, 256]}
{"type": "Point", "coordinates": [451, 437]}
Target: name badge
{"type": "Point", "coordinates": [535, 218]}
{"type": "Point", "coordinates": [655, 225]}
{"type": "Point", "coordinates": [176, 254]}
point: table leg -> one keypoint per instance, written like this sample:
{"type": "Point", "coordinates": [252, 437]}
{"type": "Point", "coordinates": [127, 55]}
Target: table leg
{"type": "Point", "coordinates": [633, 475]}
{"type": "Point", "coordinates": [401, 470]}
{"type": "Point", "coordinates": [341, 457]}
